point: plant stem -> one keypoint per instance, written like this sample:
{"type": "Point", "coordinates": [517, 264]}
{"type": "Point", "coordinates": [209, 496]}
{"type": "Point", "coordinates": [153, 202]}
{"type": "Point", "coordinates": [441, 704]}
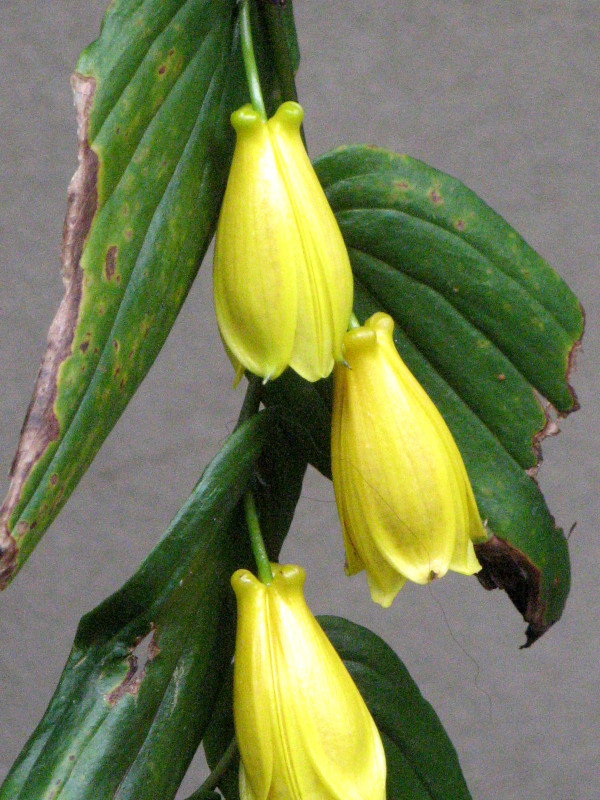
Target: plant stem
{"type": "Point", "coordinates": [217, 773]}
{"type": "Point", "coordinates": [250, 61]}
{"type": "Point", "coordinates": [259, 550]}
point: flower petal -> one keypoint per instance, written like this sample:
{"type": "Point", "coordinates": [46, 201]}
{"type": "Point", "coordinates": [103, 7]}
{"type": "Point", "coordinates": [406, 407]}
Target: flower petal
{"type": "Point", "coordinates": [325, 285]}
{"type": "Point", "coordinates": [404, 499]}
{"type": "Point", "coordinates": [254, 271]}
{"type": "Point", "coordinates": [324, 743]}
{"type": "Point", "coordinates": [282, 278]}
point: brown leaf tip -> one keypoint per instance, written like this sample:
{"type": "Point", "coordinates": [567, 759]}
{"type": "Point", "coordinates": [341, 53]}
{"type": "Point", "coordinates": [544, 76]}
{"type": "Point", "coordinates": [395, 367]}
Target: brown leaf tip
{"type": "Point", "coordinates": [505, 567]}
{"type": "Point", "coordinates": [41, 426]}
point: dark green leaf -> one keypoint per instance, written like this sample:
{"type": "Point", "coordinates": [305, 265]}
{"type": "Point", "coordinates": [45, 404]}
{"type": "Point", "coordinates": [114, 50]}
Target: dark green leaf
{"type": "Point", "coordinates": [486, 326]}
{"type": "Point", "coordinates": [277, 485]}
{"type": "Point", "coordinates": [154, 94]}
{"type": "Point", "coordinates": [219, 734]}
{"type": "Point", "coordinates": [280, 28]}
{"type": "Point", "coordinates": [305, 409]}
{"type": "Point", "coordinates": [488, 312]}
{"type": "Point", "coordinates": [421, 761]}
{"type": "Point", "coordinates": [205, 796]}
{"type": "Point", "coordinates": [146, 665]}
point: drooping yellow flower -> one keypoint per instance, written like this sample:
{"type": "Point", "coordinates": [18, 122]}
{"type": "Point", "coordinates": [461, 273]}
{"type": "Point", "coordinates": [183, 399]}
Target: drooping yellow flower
{"type": "Point", "coordinates": [302, 727]}
{"type": "Point", "coordinates": [282, 277]}
{"type": "Point", "coordinates": [403, 495]}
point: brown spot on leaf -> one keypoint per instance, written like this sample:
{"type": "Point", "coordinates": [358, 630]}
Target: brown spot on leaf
{"type": "Point", "coordinates": [8, 556]}
{"type": "Point", "coordinates": [110, 262]}
{"type": "Point", "coordinates": [505, 567]}
{"type": "Point", "coordinates": [162, 69]}
{"type": "Point", "coordinates": [141, 655]}
{"type": "Point", "coordinates": [435, 197]}
{"type": "Point", "coordinates": [460, 224]}
{"type": "Point", "coordinates": [84, 346]}
{"type": "Point", "coordinates": [40, 427]}
{"type": "Point", "coordinates": [550, 429]}
{"type": "Point", "coordinates": [128, 234]}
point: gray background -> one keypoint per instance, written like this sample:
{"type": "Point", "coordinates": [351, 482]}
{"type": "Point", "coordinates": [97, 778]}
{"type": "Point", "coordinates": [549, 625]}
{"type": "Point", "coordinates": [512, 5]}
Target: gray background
{"type": "Point", "coordinates": [501, 94]}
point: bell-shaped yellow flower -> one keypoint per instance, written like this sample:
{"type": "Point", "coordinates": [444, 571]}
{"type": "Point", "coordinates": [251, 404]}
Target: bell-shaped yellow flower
{"type": "Point", "coordinates": [302, 727]}
{"type": "Point", "coordinates": [403, 495]}
{"type": "Point", "coordinates": [282, 278]}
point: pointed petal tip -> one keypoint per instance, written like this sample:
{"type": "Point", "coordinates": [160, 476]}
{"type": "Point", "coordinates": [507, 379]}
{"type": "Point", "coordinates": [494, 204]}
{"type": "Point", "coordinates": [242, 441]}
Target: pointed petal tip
{"type": "Point", "coordinates": [385, 596]}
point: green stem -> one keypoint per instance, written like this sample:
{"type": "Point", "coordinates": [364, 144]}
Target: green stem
{"type": "Point", "coordinates": [250, 61]}
{"type": "Point", "coordinates": [217, 773]}
{"type": "Point", "coordinates": [354, 323]}
{"type": "Point", "coordinates": [259, 551]}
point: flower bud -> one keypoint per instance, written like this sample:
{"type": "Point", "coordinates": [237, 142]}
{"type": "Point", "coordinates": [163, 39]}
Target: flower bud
{"type": "Point", "coordinates": [282, 278]}
{"type": "Point", "coordinates": [302, 727]}
{"type": "Point", "coordinates": [404, 499]}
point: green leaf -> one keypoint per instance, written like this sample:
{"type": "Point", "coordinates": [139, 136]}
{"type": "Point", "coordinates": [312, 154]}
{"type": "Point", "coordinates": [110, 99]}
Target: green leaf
{"type": "Point", "coordinates": [421, 761]}
{"type": "Point", "coordinates": [486, 326]}
{"type": "Point", "coordinates": [154, 95]}
{"type": "Point", "coordinates": [219, 734]}
{"type": "Point", "coordinates": [464, 276]}
{"type": "Point", "coordinates": [140, 683]}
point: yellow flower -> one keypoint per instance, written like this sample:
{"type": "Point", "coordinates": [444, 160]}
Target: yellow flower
{"type": "Point", "coordinates": [282, 277]}
{"type": "Point", "coordinates": [302, 727]}
{"type": "Point", "coordinates": [403, 495]}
